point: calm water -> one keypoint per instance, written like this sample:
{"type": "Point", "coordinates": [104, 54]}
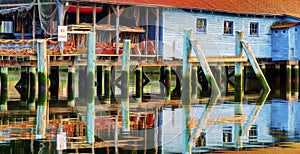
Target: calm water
{"type": "Point", "coordinates": [156, 126]}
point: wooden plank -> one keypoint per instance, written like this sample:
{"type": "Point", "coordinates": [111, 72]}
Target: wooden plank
{"type": "Point", "coordinates": [224, 59]}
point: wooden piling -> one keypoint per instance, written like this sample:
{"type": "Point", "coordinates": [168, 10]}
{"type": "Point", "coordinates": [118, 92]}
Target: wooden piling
{"type": "Point", "coordinates": [277, 81]}
{"type": "Point", "coordinates": [23, 83]}
{"type": "Point", "coordinates": [99, 81]}
{"type": "Point", "coordinates": [42, 103]}
{"type": "Point", "coordinates": [107, 87]}
{"type": "Point", "coordinates": [215, 91]}
{"type": "Point", "coordinates": [256, 68]}
{"type": "Point", "coordinates": [168, 83]}
{"type": "Point", "coordinates": [296, 80]}
{"type": "Point", "coordinates": [194, 82]}
{"type": "Point", "coordinates": [238, 90]}
{"type": "Point", "coordinates": [125, 87]}
{"type": "Point", "coordinates": [81, 82]}
{"type": "Point", "coordinates": [32, 88]}
{"type": "Point", "coordinates": [186, 90]}
{"type": "Point", "coordinates": [71, 86]}
{"type": "Point", "coordinates": [238, 70]}
{"type": "Point", "coordinates": [4, 88]}
{"type": "Point", "coordinates": [162, 80]}
{"type": "Point", "coordinates": [90, 126]}
{"type": "Point", "coordinates": [176, 93]}
{"type": "Point", "coordinates": [288, 81]}
{"type": "Point", "coordinates": [54, 82]}
{"type": "Point", "coordinates": [138, 84]}
{"type": "Point", "coordinates": [113, 82]}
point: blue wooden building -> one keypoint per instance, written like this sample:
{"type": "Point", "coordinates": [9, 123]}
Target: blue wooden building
{"type": "Point", "coordinates": [285, 41]}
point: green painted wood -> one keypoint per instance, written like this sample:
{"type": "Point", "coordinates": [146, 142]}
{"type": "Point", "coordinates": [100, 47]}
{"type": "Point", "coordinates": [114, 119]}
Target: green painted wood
{"type": "Point", "coordinates": [125, 87]}
{"type": "Point", "coordinates": [168, 83]}
{"type": "Point", "coordinates": [32, 88]}
{"type": "Point", "coordinates": [139, 84]}
{"type": "Point", "coordinates": [42, 102]}
{"type": "Point", "coordinates": [186, 90]}
{"type": "Point", "coordinates": [90, 98]}
{"type": "Point", "coordinates": [71, 86]}
{"type": "Point", "coordinates": [4, 88]}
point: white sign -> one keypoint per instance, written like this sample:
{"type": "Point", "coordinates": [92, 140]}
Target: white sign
{"type": "Point", "coordinates": [61, 141]}
{"type": "Point", "coordinates": [62, 33]}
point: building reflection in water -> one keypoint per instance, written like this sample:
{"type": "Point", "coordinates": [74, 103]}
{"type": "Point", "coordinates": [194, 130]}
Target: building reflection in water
{"type": "Point", "coordinates": [161, 129]}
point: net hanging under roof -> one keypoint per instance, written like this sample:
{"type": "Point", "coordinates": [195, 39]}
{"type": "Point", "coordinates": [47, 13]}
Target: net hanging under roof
{"type": "Point", "coordinates": [48, 15]}
{"type": "Point", "coordinates": [10, 6]}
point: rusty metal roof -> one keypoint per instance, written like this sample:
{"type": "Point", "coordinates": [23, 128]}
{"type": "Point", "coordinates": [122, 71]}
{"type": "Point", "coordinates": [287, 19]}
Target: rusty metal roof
{"type": "Point", "coordinates": [261, 7]}
{"type": "Point", "coordinates": [284, 25]}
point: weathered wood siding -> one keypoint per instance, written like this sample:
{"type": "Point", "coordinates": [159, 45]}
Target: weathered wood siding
{"type": "Point", "coordinates": [286, 43]}
{"type": "Point", "coordinates": [280, 44]}
{"type": "Point", "coordinates": [297, 40]}
{"type": "Point", "coordinates": [214, 42]}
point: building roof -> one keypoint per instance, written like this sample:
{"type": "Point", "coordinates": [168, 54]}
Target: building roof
{"type": "Point", "coordinates": [284, 25]}
{"type": "Point", "coordinates": [260, 7]}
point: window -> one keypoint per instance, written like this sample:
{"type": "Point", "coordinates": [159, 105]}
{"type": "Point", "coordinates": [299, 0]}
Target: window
{"type": "Point", "coordinates": [253, 133]}
{"type": "Point", "coordinates": [227, 134]}
{"type": "Point", "coordinates": [228, 27]}
{"type": "Point", "coordinates": [253, 28]}
{"type": "Point", "coordinates": [201, 25]}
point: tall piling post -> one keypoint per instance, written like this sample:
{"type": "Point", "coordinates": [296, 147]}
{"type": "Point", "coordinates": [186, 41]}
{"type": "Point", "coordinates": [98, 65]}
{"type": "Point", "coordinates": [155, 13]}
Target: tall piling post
{"type": "Point", "coordinates": [277, 81]}
{"type": "Point", "coordinates": [162, 80]}
{"type": "Point", "coordinates": [125, 87]}
{"type": "Point", "coordinates": [4, 88]}
{"type": "Point", "coordinates": [81, 82]}
{"type": "Point", "coordinates": [42, 103]}
{"type": "Point", "coordinates": [296, 83]}
{"type": "Point", "coordinates": [23, 83]}
{"type": "Point", "coordinates": [32, 88]}
{"type": "Point", "coordinates": [107, 85]}
{"type": "Point", "coordinates": [71, 86]}
{"type": "Point", "coordinates": [288, 81]}
{"type": "Point", "coordinates": [186, 90]}
{"type": "Point", "coordinates": [99, 81]}
{"type": "Point", "coordinates": [177, 90]}
{"type": "Point", "coordinates": [90, 108]}
{"type": "Point", "coordinates": [139, 84]}
{"type": "Point", "coordinates": [168, 83]}
{"type": "Point", "coordinates": [194, 82]}
{"type": "Point", "coordinates": [238, 90]}
{"type": "Point", "coordinates": [54, 82]}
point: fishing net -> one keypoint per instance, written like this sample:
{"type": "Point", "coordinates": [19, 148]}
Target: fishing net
{"type": "Point", "coordinates": [8, 7]}
{"type": "Point", "coordinates": [48, 15]}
